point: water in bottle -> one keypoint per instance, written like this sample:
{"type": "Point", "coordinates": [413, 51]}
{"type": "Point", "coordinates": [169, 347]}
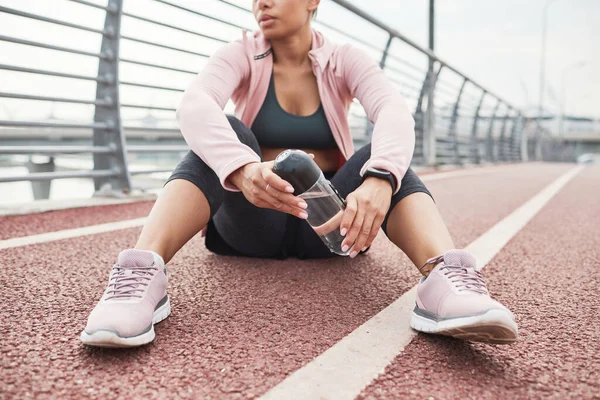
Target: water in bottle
{"type": "Point", "coordinates": [325, 205]}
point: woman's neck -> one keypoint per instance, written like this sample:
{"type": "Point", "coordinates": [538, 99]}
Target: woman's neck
{"type": "Point", "coordinates": [292, 51]}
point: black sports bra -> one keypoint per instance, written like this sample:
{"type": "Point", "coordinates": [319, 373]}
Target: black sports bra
{"type": "Point", "coordinates": [275, 127]}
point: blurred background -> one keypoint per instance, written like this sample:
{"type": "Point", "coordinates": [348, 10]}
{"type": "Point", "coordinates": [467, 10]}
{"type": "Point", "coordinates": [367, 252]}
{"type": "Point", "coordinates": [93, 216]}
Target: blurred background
{"type": "Point", "coordinates": [88, 89]}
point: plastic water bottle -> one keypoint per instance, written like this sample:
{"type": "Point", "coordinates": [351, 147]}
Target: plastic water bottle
{"type": "Point", "coordinates": [325, 205]}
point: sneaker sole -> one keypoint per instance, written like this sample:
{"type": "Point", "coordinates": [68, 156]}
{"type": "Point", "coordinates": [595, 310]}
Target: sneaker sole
{"type": "Point", "coordinates": [110, 339]}
{"type": "Point", "coordinates": [494, 326]}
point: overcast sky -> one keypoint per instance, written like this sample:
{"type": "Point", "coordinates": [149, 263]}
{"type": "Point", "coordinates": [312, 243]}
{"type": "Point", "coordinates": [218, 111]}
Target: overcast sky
{"type": "Point", "coordinates": [495, 42]}
{"type": "Point", "coordinates": [498, 43]}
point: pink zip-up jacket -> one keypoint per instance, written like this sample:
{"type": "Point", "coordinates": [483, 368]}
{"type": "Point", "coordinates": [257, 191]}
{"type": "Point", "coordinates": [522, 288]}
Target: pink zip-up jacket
{"type": "Point", "coordinates": [241, 70]}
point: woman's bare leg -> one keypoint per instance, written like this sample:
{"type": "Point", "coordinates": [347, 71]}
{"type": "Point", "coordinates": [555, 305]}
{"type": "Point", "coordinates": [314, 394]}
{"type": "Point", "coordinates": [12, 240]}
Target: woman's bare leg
{"type": "Point", "coordinates": [416, 227]}
{"type": "Point", "coordinates": [180, 212]}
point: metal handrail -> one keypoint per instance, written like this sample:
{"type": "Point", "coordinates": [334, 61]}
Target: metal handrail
{"type": "Point", "coordinates": [145, 107]}
{"type": "Point", "coordinates": [98, 79]}
{"type": "Point", "coordinates": [49, 46]}
{"type": "Point", "coordinates": [393, 32]}
{"type": "Point", "coordinates": [174, 27]}
{"type": "Point", "coordinates": [87, 3]}
{"type": "Point", "coordinates": [144, 85]}
{"type": "Point", "coordinates": [163, 46]}
{"type": "Point", "coordinates": [31, 124]}
{"type": "Point", "coordinates": [446, 132]}
{"type": "Point", "coordinates": [46, 176]}
{"type": "Point", "coordinates": [99, 103]}
{"type": "Point", "coordinates": [152, 65]}
{"type": "Point", "coordinates": [56, 149]}
{"type": "Point", "coordinates": [24, 14]}
{"type": "Point", "coordinates": [200, 14]}
{"type": "Point", "coordinates": [157, 149]}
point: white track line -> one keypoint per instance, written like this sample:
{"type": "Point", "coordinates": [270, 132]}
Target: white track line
{"type": "Point", "coordinates": [350, 365]}
{"type": "Point", "coordinates": [71, 233]}
{"type": "Point", "coordinates": [132, 223]}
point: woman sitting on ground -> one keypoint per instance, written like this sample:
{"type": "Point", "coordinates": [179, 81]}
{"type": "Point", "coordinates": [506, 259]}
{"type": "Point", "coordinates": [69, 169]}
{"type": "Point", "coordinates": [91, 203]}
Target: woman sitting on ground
{"type": "Point", "coordinates": [292, 88]}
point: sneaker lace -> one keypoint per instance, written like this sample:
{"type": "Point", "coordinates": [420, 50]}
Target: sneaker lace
{"type": "Point", "coordinates": [465, 278]}
{"type": "Point", "coordinates": [128, 282]}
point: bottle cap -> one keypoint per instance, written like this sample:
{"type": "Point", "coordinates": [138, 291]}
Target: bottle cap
{"type": "Point", "coordinates": [297, 168]}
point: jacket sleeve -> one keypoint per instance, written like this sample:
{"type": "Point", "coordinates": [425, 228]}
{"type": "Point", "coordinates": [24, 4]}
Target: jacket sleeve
{"type": "Point", "coordinates": [202, 121]}
{"type": "Point", "coordinates": [393, 140]}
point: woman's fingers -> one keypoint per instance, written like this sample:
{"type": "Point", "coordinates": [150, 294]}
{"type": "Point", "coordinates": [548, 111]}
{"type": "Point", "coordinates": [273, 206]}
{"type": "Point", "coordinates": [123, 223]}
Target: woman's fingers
{"type": "Point", "coordinates": [348, 217]}
{"type": "Point", "coordinates": [351, 222]}
{"type": "Point", "coordinates": [364, 232]}
{"type": "Point", "coordinates": [275, 180]}
{"type": "Point", "coordinates": [281, 190]}
{"type": "Point", "coordinates": [268, 195]}
{"type": "Point", "coordinates": [374, 231]}
{"type": "Point", "coordinates": [270, 201]}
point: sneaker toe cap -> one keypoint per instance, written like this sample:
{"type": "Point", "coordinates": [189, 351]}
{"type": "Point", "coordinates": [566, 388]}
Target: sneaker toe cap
{"type": "Point", "coordinates": [125, 320]}
{"type": "Point", "coordinates": [468, 305]}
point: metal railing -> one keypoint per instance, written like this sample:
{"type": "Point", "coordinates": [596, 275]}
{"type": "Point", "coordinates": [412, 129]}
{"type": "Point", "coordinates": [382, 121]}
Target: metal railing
{"type": "Point", "coordinates": [458, 120]}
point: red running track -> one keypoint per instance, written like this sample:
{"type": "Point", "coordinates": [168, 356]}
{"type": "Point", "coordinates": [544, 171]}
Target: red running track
{"type": "Point", "coordinates": [239, 326]}
{"type": "Point", "coordinates": [549, 276]}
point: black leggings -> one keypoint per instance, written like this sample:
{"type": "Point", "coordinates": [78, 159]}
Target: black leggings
{"type": "Point", "coordinates": [239, 228]}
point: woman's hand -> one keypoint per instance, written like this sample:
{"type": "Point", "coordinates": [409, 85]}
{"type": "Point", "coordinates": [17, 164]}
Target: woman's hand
{"type": "Point", "coordinates": [265, 189]}
{"type": "Point", "coordinates": [366, 209]}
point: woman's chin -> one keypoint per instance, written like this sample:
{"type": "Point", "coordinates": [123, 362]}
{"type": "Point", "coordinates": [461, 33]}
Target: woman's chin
{"type": "Point", "coordinates": [271, 33]}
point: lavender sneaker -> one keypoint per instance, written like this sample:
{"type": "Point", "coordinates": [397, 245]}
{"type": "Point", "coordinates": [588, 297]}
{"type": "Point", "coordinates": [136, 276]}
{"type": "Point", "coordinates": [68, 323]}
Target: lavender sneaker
{"type": "Point", "coordinates": [453, 300]}
{"type": "Point", "coordinates": [135, 299]}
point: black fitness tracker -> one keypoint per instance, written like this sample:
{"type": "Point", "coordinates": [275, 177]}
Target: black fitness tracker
{"type": "Point", "coordinates": [381, 174]}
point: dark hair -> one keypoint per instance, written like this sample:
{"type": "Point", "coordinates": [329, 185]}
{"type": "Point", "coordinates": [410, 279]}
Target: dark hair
{"type": "Point", "coordinates": [314, 14]}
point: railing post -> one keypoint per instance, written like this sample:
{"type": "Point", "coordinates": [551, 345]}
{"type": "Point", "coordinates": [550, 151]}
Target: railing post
{"type": "Point", "coordinates": [538, 142]}
{"type": "Point", "coordinates": [385, 52]}
{"type": "Point", "coordinates": [452, 129]}
{"type": "Point", "coordinates": [420, 121]}
{"type": "Point", "coordinates": [524, 139]}
{"type": "Point", "coordinates": [429, 137]}
{"type": "Point", "coordinates": [108, 91]}
{"type": "Point", "coordinates": [502, 141]}
{"type": "Point", "coordinates": [513, 137]}
{"type": "Point", "coordinates": [474, 140]}
{"type": "Point", "coordinates": [41, 189]}
{"type": "Point", "coordinates": [489, 145]}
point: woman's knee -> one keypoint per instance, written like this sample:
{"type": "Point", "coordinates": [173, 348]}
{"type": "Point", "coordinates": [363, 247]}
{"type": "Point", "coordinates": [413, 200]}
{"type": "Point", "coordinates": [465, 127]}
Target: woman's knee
{"type": "Point", "coordinates": [193, 169]}
{"type": "Point", "coordinates": [244, 134]}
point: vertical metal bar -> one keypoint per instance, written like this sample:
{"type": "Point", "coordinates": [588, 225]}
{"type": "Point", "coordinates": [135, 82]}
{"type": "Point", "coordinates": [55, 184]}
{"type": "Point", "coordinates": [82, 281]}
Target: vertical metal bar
{"type": "Point", "coordinates": [385, 52]}
{"type": "Point", "coordinates": [429, 136]}
{"type": "Point", "coordinates": [489, 145]}
{"type": "Point", "coordinates": [512, 142]}
{"type": "Point", "coordinates": [41, 189]}
{"type": "Point", "coordinates": [420, 119]}
{"type": "Point", "coordinates": [108, 69]}
{"type": "Point", "coordinates": [429, 140]}
{"type": "Point", "coordinates": [476, 157]}
{"type": "Point", "coordinates": [538, 154]}
{"type": "Point", "coordinates": [432, 25]}
{"type": "Point", "coordinates": [501, 145]}
{"type": "Point", "coordinates": [523, 135]}
{"type": "Point", "coordinates": [452, 129]}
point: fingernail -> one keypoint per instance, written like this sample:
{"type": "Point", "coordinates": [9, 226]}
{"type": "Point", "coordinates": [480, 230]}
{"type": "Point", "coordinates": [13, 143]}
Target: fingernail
{"type": "Point", "coordinates": [345, 248]}
{"type": "Point", "coordinates": [303, 215]}
{"type": "Point", "coordinates": [302, 204]}
{"type": "Point", "coordinates": [289, 189]}
{"type": "Point", "coordinates": [343, 232]}
{"type": "Point", "coordinates": [353, 254]}
{"type": "Point", "coordinates": [364, 248]}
